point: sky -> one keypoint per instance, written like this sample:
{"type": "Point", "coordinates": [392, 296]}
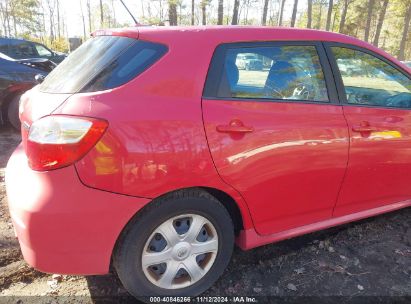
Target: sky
{"type": "Point", "coordinates": [72, 12]}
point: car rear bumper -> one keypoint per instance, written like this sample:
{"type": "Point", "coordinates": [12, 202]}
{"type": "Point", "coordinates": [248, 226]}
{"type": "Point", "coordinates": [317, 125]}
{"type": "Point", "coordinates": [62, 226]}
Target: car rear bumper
{"type": "Point", "coordinates": [63, 226]}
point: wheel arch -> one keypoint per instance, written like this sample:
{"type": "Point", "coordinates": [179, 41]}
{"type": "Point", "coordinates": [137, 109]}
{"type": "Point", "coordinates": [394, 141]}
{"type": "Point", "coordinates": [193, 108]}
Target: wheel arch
{"type": "Point", "coordinates": [239, 214]}
{"type": "Point", "coordinates": [4, 105]}
{"type": "Point", "coordinates": [6, 101]}
{"type": "Point", "coordinates": [231, 206]}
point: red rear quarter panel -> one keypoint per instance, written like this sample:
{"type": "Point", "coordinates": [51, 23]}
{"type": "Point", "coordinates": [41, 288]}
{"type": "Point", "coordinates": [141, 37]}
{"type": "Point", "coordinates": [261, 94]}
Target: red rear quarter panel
{"type": "Point", "coordinates": [155, 142]}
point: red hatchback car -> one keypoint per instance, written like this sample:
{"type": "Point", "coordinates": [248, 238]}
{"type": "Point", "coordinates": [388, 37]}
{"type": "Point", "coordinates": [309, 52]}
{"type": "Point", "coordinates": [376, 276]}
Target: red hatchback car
{"type": "Point", "coordinates": [150, 150]}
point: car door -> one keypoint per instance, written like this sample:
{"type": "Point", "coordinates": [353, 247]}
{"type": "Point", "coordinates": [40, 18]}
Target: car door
{"type": "Point", "coordinates": [377, 106]}
{"type": "Point", "coordinates": [277, 134]}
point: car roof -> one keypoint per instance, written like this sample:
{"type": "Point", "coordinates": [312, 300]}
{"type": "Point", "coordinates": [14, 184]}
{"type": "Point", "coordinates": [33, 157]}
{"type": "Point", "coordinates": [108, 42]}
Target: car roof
{"type": "Point", "coordinates": [8, 40]}
{"type": "Point", "coordinates": [212, 36]}
{"type": "Point", "coordinates": [230, 33]}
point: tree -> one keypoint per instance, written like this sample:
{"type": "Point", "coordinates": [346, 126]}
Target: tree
{"type": "Point", "coordinates": [5, 16]}
{"type": "Point", "coordinates": [329, 13]}
{"type": "Point", "coordinates": [320, 4]}
{"type": "Point", "coordinates": [192, 12]}
{"type": "Point", "coordinates": [310, 14]}
{"type": "Point", "coordinates": [369, 17]}
{"type": "Point", "coordinates": [346, 3]}
{"type": "Point", "coordinates": [43, 15]}
{"type": "Point", "coordinates": [114, 12]}
{"type": "Point", "coordinates": [220, 12]}
{"type": "Point", "coordinates": [58, 18]}
{"type": "Point", "coordinates": [160, 12]}
{"type": "Point", "coordinates": [172, 12]}
{"type": "Point", "coordinates": [407, 19]}
{"type": "Point", "coordinates": [380, 22]}
{"type": "Point", "coordinates": [101, 14]}
{"type": "Point", "coordinates": [247, 4]}
{"type": "Point", "coordinates": [51, 6]}
{"type": "Point", "coordinates": [333, 23]}
{"type": "Point", "coordinates": [234, 20]}
{"type": "Point", "coordinates": [84, 23]}
{"type": "Point", "coordinates": [89, 16]}
{"type": "Point", "coordinates": [142, 9]}
{"type": "Point", "coordinates": [108, 15]}
{"type": "Point", "coordinates": [20, 16]}
{"type": "Point", "coordinates": [294, 15]}
{"type": "Point", "coordinates": [280, 18]}
{"type": "Point", "coordinates": [203, 5]}
{"type": "Point", "coordinates": [265, 9]}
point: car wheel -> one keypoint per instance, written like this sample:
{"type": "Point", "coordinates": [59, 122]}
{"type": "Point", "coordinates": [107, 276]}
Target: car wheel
{"type": "Point", "coordinates": [178, 246]}
{"type": "Point", "coordinates": [13, 112]}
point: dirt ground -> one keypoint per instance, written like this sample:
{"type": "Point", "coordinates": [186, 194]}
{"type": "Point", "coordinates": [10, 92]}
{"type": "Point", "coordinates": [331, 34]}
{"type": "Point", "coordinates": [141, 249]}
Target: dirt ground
{"type": "Point", "coordinates": [368, 261]}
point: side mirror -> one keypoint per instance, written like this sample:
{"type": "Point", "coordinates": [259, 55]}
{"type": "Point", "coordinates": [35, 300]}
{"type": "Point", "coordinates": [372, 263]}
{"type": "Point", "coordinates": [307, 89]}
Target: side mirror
{"type": "Point", "coordinates": [39, 78]}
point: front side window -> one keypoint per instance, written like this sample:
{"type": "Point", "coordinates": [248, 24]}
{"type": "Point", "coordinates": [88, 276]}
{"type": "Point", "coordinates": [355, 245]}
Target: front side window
{"type": "Point", "coordinates": [42, 50]}
{"type": "Point", "coordinates": [102, 63]}
{"type": "Point", "coordinates": [273, 72]}
{"type": "Point", "coordinates": [369, 80]}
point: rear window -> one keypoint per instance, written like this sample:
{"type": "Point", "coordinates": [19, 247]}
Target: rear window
{"type": "Point", "coordinates": [102, 63]}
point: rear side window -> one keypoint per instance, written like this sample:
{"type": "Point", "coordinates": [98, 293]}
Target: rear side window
{"type": "Point", "coordinates": [4, 48]}
{"type": "Point", "coordinates": [102, 63]}
{"type": "Point", "coordinates": [22, 50]}
{"type": "Point", "coordinates": [272, 72]}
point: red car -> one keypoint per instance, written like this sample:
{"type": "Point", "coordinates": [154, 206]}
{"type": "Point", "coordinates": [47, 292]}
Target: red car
{"type": "Point", "coordinates": [150, 151]}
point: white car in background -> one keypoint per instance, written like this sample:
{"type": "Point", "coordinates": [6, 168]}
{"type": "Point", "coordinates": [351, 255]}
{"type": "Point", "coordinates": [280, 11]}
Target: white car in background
{"type": "Point", "coordinates": [249, 62]}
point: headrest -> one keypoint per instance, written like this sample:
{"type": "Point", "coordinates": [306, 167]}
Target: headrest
{"type": "Point", "coordinates": [232, 73]}
{"type": "Point", "coordinates": [281, 75]}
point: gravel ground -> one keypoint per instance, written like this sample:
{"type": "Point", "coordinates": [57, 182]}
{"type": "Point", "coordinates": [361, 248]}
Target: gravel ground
{"type": "Point", "coordinates": [367, 261]}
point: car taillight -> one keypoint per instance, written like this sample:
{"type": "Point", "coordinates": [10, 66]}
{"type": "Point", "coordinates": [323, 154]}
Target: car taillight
{"type": "Point", "coordinates": [58, 141]}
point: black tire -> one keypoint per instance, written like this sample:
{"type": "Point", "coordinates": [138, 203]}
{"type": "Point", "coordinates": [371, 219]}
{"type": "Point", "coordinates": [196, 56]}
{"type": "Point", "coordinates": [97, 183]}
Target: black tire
{"type": "Point", "coordinates": [13, 112]}
{"type": "Point", "coordinates": [127, 257]}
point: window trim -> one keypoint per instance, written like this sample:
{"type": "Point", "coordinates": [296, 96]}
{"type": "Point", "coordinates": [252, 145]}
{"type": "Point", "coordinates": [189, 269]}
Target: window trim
{"type": "Point", "coordinates": [215, 71]}
{"type": "Point", "coordinates": [339, 84]}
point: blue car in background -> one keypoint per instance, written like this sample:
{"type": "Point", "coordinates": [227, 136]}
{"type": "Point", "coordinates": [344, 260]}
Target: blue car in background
{"type": "Point", "coordinates": [16, 77]}
{"type": "Point", "coordinates": [23, 49]}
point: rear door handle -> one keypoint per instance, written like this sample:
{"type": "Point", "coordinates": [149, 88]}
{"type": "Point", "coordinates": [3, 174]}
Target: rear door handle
{"type": "Point", "coordinates": [364, 127]}
{"type": "Point", "coordinates": [235, 126]}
